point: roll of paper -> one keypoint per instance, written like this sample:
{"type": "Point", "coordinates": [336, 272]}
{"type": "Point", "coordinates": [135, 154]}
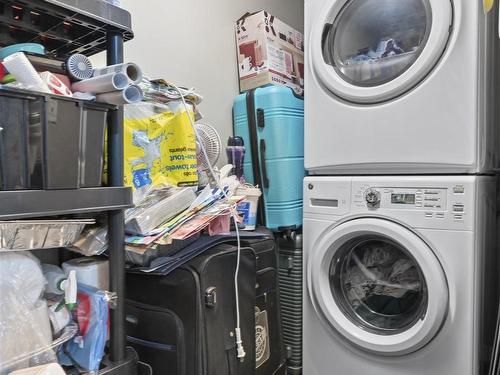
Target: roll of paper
{"type": "Point", "coordinates": [23, 71]}
{"type": "Point", "coordinates": [131, 70]}
{"type": "Point", "coordinates": [105, 83]}
{"type": "Point", "coordinates": [90, 271]}
{"type": "Point", "coordinates": [55, 84]}
{"type": "Point", "coordinates": [131, 95]}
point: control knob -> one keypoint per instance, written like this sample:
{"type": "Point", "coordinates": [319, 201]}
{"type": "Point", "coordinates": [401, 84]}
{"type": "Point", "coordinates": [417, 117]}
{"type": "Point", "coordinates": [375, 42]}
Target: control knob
{"type": "Point", "coordinates": [372, 197]}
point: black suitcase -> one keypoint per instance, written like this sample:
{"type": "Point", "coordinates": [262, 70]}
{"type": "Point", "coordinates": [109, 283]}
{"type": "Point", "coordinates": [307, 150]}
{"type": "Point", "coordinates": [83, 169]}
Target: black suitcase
{"type": "Point", "coordinates": [270, 350]}
{"type": "Point", "coordinates": [184, 323]}
{"type": "Point", "coordinates": [290, 289]}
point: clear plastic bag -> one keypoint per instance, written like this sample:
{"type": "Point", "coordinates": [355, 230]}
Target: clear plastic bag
{"type": "Point", "coordinates": [23, 334]}
{"type": "Point", "coordinates": [86, 349]}
{"type": "Point", "coordinates": [93, 241]}
{"type": "Point", "coordinates": [39, 234]}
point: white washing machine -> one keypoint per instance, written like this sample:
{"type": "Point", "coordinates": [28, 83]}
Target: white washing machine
{"type": "Point", "coordinates": [399, 275]}
{"type": "Point", "coordinates": [400, 87]}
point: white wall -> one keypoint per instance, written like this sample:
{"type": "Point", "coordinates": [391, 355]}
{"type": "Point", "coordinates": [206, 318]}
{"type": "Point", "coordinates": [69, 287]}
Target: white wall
{"type": "Point", "coordinates": [192, 43]}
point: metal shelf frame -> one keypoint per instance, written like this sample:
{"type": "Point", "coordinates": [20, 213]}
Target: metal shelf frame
{"type": "Point", "coordinates": [39, 203]}
{"type": "Point", "coordinates": [65, 27]}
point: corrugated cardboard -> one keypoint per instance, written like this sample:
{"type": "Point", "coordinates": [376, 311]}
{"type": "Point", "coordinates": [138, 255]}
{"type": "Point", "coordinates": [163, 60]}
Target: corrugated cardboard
{"type": "Point", "coordinates": [269, 52]}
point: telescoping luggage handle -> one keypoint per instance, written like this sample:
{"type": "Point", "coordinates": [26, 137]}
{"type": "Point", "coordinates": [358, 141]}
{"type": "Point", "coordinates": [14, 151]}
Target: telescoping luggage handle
{"type": "Point", "coordinates": [259, 172]}
{"type": "Point", "coordinates": [261, 123]}
{"type": "Point", "coordinates": [265, 180]}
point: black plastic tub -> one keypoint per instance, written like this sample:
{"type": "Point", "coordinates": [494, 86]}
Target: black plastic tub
{"type": "Point", "coordinates": [49, 141]}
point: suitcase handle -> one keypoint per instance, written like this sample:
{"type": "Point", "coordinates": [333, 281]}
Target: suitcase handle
{"type": "Point", "coordinates": [265, 180]}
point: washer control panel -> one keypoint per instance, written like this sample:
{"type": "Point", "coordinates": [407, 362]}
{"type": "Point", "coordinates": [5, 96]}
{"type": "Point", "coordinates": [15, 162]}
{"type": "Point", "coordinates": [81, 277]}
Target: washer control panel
{"type": "Point", "coordinates": [430, 202]}
{"type": "Point", "coordinates": [372, 197]}
{"type": "Point", "coordinates": [431, 199]}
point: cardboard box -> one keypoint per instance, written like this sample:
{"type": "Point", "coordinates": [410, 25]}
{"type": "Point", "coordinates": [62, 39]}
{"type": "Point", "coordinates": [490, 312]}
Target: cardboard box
{"type": "Point", "coordinates": [269, 51]}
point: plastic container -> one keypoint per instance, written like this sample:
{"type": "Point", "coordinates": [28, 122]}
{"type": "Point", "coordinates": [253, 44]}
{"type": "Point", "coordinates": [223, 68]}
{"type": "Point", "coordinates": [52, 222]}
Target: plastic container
{"type": "Point", "coordinates": [248, 207]}
{"type": "Point", "coordinates": [93, 128]}
{"type": "Point", "coordinates": [21, 47]}
{"type": "Point", "coordinates": [49, 141]}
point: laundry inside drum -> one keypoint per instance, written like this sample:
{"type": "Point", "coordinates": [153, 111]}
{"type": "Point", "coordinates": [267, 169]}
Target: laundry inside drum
{"type": "Point", "coordinates": [372, 42]}
{"type": "Point", "coordinates": [378, 285]}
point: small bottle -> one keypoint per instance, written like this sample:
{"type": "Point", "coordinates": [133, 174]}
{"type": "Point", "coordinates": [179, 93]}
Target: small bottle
{"type": "Point", "coordinates": [59, 283]}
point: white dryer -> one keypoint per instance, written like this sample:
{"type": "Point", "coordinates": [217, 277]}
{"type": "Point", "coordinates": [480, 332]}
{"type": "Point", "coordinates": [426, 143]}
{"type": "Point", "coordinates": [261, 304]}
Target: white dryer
{"type": "Point", "coordinates": [400, 87]}
{"type": "Point", "coordinates": [399, 275]}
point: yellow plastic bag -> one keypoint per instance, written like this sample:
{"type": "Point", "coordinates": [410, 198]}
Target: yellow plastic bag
{"type": "Point", "coordinates": [159, 147]}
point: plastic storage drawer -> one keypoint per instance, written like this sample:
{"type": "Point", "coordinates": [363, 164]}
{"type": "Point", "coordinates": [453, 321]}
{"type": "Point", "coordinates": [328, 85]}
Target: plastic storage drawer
{"type": "Point", "coordinates": [49, 141]}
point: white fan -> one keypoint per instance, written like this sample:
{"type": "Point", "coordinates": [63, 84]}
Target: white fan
{"type": "Point", "coordinates": [212, 144]}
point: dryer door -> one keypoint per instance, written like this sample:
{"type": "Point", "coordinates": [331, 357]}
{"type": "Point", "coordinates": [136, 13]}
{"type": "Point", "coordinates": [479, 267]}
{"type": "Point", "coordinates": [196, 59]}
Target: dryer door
{"type": "Point", "coordinates": [379, 285]}
{"type": "Point", "coordinates": [368, 51]}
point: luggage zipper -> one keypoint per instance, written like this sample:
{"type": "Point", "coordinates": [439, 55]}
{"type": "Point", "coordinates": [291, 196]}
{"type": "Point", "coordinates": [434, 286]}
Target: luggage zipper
{"type": "Point", "coordinates": [178, 323]}
{"type": "Point", "coordinates": [152, 344]}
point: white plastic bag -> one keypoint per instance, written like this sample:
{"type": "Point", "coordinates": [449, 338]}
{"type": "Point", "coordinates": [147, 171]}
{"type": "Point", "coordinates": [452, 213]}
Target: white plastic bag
{"type": "Point", "coordinates": [23, 334]}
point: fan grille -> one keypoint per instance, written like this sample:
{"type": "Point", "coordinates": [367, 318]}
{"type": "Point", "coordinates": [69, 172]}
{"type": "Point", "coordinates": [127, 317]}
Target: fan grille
{"type": "Point", "coordinates": [210, 139]}
{"type": "Point", "coordinates": [79, 67]}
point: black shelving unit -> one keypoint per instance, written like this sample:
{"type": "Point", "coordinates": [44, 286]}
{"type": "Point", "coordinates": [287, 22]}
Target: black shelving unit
{"type": "Point", "coordinates": [65, 27]}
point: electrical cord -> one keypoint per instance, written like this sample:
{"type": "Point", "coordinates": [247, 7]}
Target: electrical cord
{"type": "Point", "coordinates": [239, 342]}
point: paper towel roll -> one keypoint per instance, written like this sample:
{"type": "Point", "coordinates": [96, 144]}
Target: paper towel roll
{"type": "Point", "coordinates": [105, 83]}
{"type": "Point", "coordinates": [21, 274]}
{"type": "Point", "coordinates": [131, 95]}
{"type": "Point", "coordinates": [19, 66]}
{"type": "Point", "coordinates": [90, 271]}
{"type": "Point", "coordinates": [131, 70]}
{"type": "Point", "coordinates": [50, 369]}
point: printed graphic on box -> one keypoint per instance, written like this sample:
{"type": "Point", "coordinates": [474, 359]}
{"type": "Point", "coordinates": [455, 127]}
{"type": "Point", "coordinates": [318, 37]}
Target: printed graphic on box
{"type": "Point", "coordinates": [269, 51]}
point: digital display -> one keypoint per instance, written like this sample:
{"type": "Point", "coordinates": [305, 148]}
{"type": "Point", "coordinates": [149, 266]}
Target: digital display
{"type": "Point", "coordinates": [403, 198]}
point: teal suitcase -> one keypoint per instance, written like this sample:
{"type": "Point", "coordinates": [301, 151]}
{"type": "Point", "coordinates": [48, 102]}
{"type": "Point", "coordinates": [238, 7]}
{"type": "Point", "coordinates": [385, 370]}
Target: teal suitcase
{"type": "Point", "coordinates": [271, 122]}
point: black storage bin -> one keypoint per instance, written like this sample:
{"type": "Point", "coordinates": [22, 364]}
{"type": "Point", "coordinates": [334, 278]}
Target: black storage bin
{"type": "Point", "coordinates": [92, 144]}
{"type": "Point", "coordinates": [49, 141]}
{"type": "Point", "coordinates": [20, 141]}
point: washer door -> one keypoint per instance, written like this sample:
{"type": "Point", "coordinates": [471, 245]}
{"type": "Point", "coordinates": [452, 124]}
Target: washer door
{"type": "Point", "coordinates": [368, 51]}
{"type": "Point", "coordinates": [379, 285]}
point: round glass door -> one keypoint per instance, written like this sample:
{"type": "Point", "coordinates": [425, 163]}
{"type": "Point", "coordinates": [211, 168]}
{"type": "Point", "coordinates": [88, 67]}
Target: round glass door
{"type": "Point", "coordinates": [370, 51]}
{"type": "Point", "coordinates": [378, 285]}
{"type": "Point", "coordinates": [371, 42]}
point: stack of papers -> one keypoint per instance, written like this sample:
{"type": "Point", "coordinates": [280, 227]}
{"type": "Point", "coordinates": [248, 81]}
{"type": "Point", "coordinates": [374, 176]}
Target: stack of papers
{"type": "Point", "coordinates": [161, 205]}
{"type": "Point", "coordinates": [207, 207]}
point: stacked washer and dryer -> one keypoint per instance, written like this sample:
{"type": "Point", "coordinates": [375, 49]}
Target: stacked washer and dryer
{"type": "Point", "coordinates": [402, 147]}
